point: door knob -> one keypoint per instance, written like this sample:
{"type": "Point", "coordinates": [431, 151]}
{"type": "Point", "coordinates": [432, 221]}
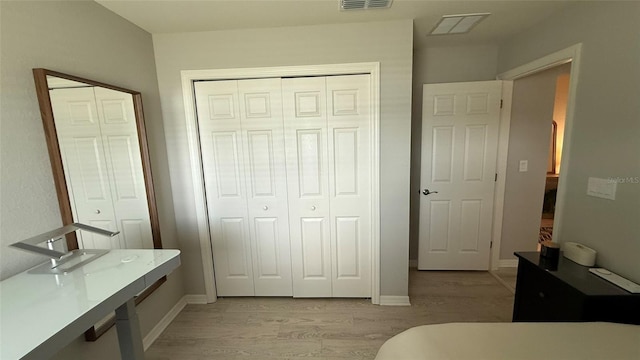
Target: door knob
{"type": "Point", "coordinates": [97, 211]}
{"type": "Point", "coordinates": [265, 208]}
{"type": "Point", "coordinates": [313, 208]}
{"type": "Point", "coordinates": [427, 192]}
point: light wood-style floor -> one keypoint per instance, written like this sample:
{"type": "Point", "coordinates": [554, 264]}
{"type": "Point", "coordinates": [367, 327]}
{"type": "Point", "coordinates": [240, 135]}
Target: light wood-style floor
{"type": "Point", "coordinates": [285, 328]}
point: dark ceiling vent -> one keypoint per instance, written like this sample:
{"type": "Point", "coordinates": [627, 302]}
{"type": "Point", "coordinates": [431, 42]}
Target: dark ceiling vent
{"type": "Point", "coordinates": [364, 4]}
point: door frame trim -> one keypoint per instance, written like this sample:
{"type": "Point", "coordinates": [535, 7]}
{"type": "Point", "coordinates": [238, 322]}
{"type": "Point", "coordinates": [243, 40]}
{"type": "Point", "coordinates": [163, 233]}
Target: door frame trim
{"type": "Point", "coordinates": [188, 77]}
{"type": "Point", "coordinates": [569, 54]}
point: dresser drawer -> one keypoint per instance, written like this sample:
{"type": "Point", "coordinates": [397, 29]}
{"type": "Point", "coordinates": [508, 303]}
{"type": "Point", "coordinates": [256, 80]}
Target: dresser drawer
{"type": "Point", "coordinates": [542, 297]}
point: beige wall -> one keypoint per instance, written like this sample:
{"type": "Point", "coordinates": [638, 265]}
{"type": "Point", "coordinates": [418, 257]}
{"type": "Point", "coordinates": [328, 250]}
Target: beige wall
{"type": "Point", "coordinates": [389, 43]}
{"type": "Point", "coordinates": [531, 115]}
{"type": "Point", "coordinates": [441, 65]}
{"type": "Point", "coordinates": [604, 141]}
{"type": "Point", "coordinates": [80, 38]}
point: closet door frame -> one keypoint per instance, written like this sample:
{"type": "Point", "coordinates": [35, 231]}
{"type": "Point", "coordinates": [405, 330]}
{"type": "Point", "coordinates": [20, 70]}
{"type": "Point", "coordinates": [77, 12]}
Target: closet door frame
{"type": "Point", "coordinates": [190, 76]}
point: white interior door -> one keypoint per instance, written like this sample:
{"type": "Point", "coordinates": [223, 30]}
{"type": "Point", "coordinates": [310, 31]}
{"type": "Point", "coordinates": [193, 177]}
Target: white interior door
{"type": "Point", "coordinates": [305, 120]}
{"type": "Point", "coordinates": [459, 148]}
{"type": "Point", "coordinates": [265, 170]}
{"type": "Point", "coordinates": [83, 156]}
{"type": "Point", "coordinates": [220, 132]}
{"type": "Point", "coordinates": [348, 115]}
{"type": "Point", "coordinates": [124, 166]}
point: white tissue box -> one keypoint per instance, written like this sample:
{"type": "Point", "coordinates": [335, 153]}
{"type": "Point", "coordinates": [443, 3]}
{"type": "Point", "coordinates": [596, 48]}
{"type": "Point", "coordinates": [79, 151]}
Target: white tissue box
{"type": "Point", "coordinates": [579, 253]}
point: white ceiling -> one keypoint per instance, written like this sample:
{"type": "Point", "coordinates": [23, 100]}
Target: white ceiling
{"type": "Point", "coordinates": [508, 18]}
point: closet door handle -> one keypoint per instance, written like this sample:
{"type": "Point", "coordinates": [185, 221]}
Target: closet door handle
{"type": "Point", "coordinates": [313, 208]}
{"type": "Point", "coordinates": [265, 208]}
{"type": "Point", "coordinates": [97, 211]}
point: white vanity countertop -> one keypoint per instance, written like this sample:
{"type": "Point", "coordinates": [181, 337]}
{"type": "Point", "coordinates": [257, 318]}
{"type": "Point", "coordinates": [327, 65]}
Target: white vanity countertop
{"type": "Point", "coordinates": [44, 312]}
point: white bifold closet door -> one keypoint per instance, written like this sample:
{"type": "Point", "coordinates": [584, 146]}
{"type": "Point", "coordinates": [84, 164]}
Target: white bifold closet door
{"type": "Point", "coordinates": [327, 141]}
{"type": "Point", "coordinates": [97, 133]}
{"type": "Point", "coordinates": [241, 137]}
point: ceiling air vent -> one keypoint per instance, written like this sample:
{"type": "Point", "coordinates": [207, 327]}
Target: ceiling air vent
{"type": "Point", "coordinates": [364, 4]}
{"type": "Point", "coordinates": [457, 24]}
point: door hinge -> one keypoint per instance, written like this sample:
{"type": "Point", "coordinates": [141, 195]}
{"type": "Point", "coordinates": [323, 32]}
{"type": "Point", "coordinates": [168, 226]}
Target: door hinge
{"type": "Point", "coordinates": [501, 101]}
{"type": "Point", "coordinates": [496, 178]}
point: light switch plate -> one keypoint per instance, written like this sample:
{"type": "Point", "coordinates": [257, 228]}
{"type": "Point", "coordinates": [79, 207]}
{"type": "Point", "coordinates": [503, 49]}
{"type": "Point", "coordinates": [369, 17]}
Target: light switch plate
{"type": "Point", "coordinates": [524, 166]}
{"type": "Point", "coordinates": [602, 188]}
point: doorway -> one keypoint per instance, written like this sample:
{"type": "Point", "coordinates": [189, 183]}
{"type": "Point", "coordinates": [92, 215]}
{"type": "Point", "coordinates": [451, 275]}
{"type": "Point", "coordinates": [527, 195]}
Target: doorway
{"type": "Point", "coordinates": [505, 244]}
{"type": "Point", "coordinates": [531, 164]}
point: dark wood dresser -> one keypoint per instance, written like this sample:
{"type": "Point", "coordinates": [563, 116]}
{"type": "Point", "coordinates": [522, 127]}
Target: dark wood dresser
{"type": "Point", "coordinates": [569, 293]}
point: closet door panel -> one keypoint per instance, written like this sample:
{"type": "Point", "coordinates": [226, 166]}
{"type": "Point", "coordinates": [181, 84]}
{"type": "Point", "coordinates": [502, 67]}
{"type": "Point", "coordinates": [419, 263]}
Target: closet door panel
{"type": "Point", "coordinates": [238, 265]}
{"type": "Point", "coordinates": [349, 144]}
{"type": "Point", "coordinates": [226, 163]}
{"type": "Point", "coordinates": [217, 105]}
{"type": "Point", "coordinates": [314, 257]}
{"type": "Point", "coordinates": [265, 175]}
{"type": "Point", "coordinates": [348, 247]}
{"type": "Point", "coordinates": [261, 162]}
{"type": "Point", "coordinates": [309, 163]}
{"type": "Point", "coordinates": [267, 251]}
{"type": "Point", "coordinates": [345, 170]}
{"type": "Point", "coordinates": [305, 121]}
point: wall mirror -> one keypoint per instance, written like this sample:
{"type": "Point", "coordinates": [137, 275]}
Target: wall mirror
{"type": "Point", "coordinates": [551, 163]}
{"type": "Point", "coordinates": [97, 145]}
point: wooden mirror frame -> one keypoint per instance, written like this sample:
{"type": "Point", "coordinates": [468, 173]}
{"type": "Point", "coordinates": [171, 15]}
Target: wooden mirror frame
{"type": "Point", "coordinates": [551, 167]}
{"type": "Point", "coordinates": [64, 202]}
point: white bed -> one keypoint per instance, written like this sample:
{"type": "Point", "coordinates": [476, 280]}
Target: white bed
{"type": "Point", "coordinates": [539, 341]}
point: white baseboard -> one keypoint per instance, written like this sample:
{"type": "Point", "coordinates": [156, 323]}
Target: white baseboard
{"type": "Point", "coordinates": [168, 318]}
{"type": "Point", "coordinates": [413, 263]}
{"type": "Point", "coordinates": [163, 323]}
{"type": "Point", "coordinates": [508, 263]}
{"type": "Point", "coordinates": [387, 300]}
{"type": "Point", "coordinates": [196, 299]}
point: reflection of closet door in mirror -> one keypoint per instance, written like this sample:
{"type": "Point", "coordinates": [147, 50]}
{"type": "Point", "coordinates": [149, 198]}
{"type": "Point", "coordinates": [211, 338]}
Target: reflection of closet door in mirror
{"type": "Point", "coordinates": [97, 146]}
{"type": "Point", "coordinates": [98, 138]}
